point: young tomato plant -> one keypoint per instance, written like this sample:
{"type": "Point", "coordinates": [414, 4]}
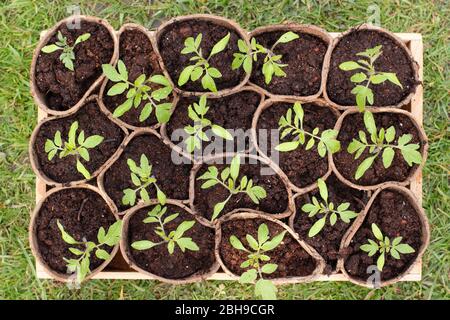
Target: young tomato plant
{"type": "Point", "coordinates": [385, 246]}
{"type": "Point", "coordinates": [294, 126]}
{"type": "Point", "coordinates": [70, 147]}
{"type": "Point", "coordinates": [196, 113]}
{"type": "Point", "coordinates": [138, 91]}
{"type": "Point", "coordinates": [272, 62]}
{"type": "Point", "coordinates": [326, 209]}
{"type": "Point", "coordinates": [229, 180]}
{"type": "Point", "coordinates": [67, 55]}
{"type": "Point", "coordinates": [80, 265]}
{"type": "Point", "coordinates": [142, 177]}
{"type": "Point", "coordinates": [369, 75]}
{"type": "Point", "coordinates": [257, 262]}
{"type": "Point", "coordinates": [172, 238]}
{"type": "Point", "coordinates": [201, 67]}
{"type": "Point", "coordinates": [381, 144]}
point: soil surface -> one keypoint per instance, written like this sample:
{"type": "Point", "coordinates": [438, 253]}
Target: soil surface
{"type": "Point", "coordinates": [393, 59]}
{"type": "Point", "coordinates": [81, 212]}
{"type": "Point", "coordinates": [231, 112]}
{"type": "Point", "coordinates": [304, 58]}
{"type": "Point", "coordinates": [395, 216]}
{"type": "Point", "coordinates": [275, 202]}
{"type": "Point", "coordinates": [303, 167]}
{"type": "Point", "coordinates": [64, 88]}
{"type": "Point", "coordinates": [327, 241]}
{"type": "Point", "coordinates": [172, 179]}
{"type": "Point", "coordinates": [291, 258]}
{"type": "Point", "coordinates": [136, 52]}
{"type": "Point", "coordinates": [347, 165]}
{"type": "Point", "coordinates": [93, 122]}
{"type": "Point", "coordinates": [178, 265]}
{"type": "Point", "coordinates": [171, 43]}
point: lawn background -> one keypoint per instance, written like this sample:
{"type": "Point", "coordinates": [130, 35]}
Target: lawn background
{"type": "Point", "coordinates": [22, 20]}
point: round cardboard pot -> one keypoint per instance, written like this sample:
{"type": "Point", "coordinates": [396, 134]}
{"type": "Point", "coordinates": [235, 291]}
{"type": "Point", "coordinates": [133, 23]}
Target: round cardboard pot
{"type": "Point", "coordinates": [125, 245]}
{"type": "Point", "coordinates": [267, 104]}
{"type": "Point", "coordinates": [300, 29]}
{"type": "Point", "coordinates": [116, 156]}
{"type": "Point", "coordinates": [397, 40]}
{"type": "Point", "coordinates": [413, 174]}
{"type": "Point", "coordinates": [348, 237]}
{"type": "Point", "coordinates": [35, 246]}
{"type": "Point", "coordinates": [253, 214]}
{"type": "Point", "coordinates": [39, 97]}
{"type": "Point", "coordinates": [290, 205]}
{"type": "Point", "coordinates": [149, 35]}
{"type": "Point", "coordinates": [166, 138]}
{"type": "Point", "coordinates": [226, 23]}
{"type": "Point", "coordinates": [34, 159]}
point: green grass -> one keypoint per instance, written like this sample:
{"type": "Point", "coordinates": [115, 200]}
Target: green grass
{"type": "Point", "coordinates": [20, 23]}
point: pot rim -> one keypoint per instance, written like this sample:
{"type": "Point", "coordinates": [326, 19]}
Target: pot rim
{"type": "Point", "coordinates": [270, 102]}
{"type": "Point", "coordinates": [425, 228]}
{"type": "Point", "coordinates": [396, 39]}
{"type": "Point", "coordinates": [35, 246]}
{"type": "Point", "coordinates": [255, 214]}
{"type": "Point", "coordinates": [414, 172]}
{"type": "Point", "coordinates": [39, 97]}
{"type": "Point", "coordinates": [148, 34]}
{"type": "Point", "coordinates": [290, 203]}
{"type": "Point", "coordinates": [35, 165]}
{"type": "Point", "coordinates": [116, 156]}
{"type": "Point", "coordinates": [168, 141]}
{"type": "Point", "coordinates": [125, 247]}
{"type": "Point", "coordinates": [224, 22]}
{"type": "Point", "coordinates": [301, 28]}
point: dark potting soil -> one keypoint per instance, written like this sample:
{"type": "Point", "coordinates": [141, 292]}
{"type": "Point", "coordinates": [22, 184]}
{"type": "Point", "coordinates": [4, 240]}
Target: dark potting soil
{"type": "Point", "coordinates": [81, 212]}
{"type": "Point", "coordinates": [327, 241]}
{"type": "Point", "coordinates": [393, 213]}
{"type": "Point", "coordinates": [393, 59]}
{"type": "Point", "coordinates": [93, 122]}
{"type": "Point", "coordinates": [136, 52]}
{"type": "Point", "coordinates": [304, 58]}
{"type": "Point", "coordinates": [172, 179]}
{"type": "Point", "coordinates": [291, 258]}
{"type": "Point", "coordinates": [275, 202]}
{"type": "Point", "coordinates": [171, 43]}
{"type": "Point", "coordinates": [64, 88]}
{"type": "Point", "coordinates": [347, 165]}
{"type": "Point", "coordinates": [230, 112]}
{"type": "Point", "coordinates": [303, 167]}
{"type": "Point", "coordinates": [178, 265]}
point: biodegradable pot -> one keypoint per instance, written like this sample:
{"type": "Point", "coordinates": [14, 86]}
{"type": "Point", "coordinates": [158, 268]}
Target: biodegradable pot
{"type": "Point", "coordinates": [253, 214]}
{"type": "Point", "coordinates": [64, 277]}
{"type": "Point", "coordinates": [414, 65]}
{"type": "Point", "coordinates": [290, 203]}
{"type": "Point", "coordinates": [415, 169]}
{"type": "Point", "coordinates": [300, 29]}
{"type": "Point", "coordinates": [226, 23]}
{"type": "Point", "coordinates": [125, 245]}
{"type": "Point", "coordinates": [327, 241]}
{"type": "Point", "coordinates": [156, 65]}
{"type": "Point", "coordinates": [39, 97]}
{"type": "Point", "coordinates": [348, 237]}
{"type": "Point", "coordinates": [267, 104]}
{"type": "Point", "coordinates": [101, 177]}
{"type": "Point", "coordinates": [36, 166]}
{"type": "Point", "coordinates": [181, 150]}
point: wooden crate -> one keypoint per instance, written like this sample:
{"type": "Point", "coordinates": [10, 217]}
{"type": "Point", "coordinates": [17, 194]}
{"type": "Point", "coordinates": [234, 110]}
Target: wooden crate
{"type": "Point", "coordinates": [118, 269]}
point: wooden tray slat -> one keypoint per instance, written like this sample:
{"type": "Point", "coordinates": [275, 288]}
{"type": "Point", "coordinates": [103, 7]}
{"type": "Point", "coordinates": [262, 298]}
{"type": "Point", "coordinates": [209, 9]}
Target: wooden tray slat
{"type": "Point", "coordinates": [415, 44]}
